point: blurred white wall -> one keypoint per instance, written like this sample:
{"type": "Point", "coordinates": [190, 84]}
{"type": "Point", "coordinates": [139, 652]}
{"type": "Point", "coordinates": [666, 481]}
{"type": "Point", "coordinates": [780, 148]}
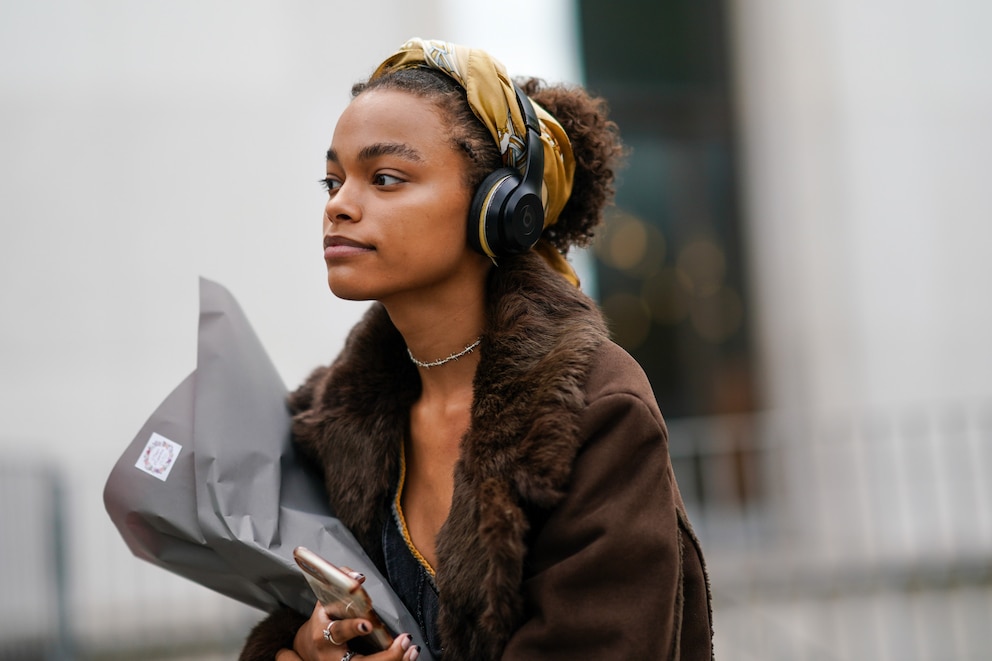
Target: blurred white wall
{"type": "Point", "coordinates": [143, 144]}
{"type": "Point", "coordinates": [866, 137]}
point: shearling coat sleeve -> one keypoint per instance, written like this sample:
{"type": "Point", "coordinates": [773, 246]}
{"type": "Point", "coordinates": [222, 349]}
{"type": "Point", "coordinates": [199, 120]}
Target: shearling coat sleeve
{"type": "Point", "coordinates": [615, 571]}
{"type": "Point", "coordinates": [272, 634]}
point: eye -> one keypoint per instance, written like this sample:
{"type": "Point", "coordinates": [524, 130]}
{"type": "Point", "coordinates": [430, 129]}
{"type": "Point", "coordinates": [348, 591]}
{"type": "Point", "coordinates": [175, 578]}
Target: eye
{"type": "Point", "coordinates": [381, 179]}
{"type": "Point", "coordinates": [330, 184]}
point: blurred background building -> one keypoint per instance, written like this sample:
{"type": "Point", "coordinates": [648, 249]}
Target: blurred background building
{"type": "Point", "coordinates": [798, 257]}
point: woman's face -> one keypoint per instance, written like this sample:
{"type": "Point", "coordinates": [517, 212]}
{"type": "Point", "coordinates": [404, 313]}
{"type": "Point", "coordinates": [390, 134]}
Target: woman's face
{"type": "Point", "coordinates": [395, 218]}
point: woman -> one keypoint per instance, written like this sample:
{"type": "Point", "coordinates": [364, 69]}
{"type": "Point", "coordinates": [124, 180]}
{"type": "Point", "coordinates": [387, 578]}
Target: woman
{"type": "Point", "coordinates": [499, 458]}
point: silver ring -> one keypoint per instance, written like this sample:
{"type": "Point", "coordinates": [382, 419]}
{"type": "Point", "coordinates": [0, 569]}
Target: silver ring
{"type": "Point", "coordinates": [347, 657]}
{"type": "Point", "coordinates": [328, 637]}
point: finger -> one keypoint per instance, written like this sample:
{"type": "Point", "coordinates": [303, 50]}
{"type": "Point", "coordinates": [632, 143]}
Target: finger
{"type": "Point", "coordinates": [404, 644]}
{"type": "Point", "coordinates": [345, 630]}
{"type": "Point", "coordinates": [333, 635]}
{"type": "Point", "coordinates": [321, 620]}
{"type": "Point", "coordinates": [412, 654]}
{"type": "Point", "coordinates": [401, 649]}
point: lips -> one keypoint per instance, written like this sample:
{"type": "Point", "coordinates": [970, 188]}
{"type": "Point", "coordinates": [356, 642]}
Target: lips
{"type": "Point", "coordinates": [336, 247]}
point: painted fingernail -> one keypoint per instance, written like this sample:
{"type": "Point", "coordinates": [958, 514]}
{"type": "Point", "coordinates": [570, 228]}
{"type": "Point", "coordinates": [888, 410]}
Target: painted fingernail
{"type": "Point", "coordinates": [364, 627]}
{"type": "Point", "coordinates": [415, 653]}
{"type": "Point", "coordinates": [407, 639]}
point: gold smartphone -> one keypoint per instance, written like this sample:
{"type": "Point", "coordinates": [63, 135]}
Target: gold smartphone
{"type": "Point", "coordinates": [341, 595]}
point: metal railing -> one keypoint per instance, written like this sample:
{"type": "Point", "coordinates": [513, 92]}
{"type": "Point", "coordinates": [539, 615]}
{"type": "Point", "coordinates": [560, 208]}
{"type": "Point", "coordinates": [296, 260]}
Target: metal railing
{"type": "Point", "coordinates": [33, 574]}
{"type": "Point", "coordinates": [845, 537]}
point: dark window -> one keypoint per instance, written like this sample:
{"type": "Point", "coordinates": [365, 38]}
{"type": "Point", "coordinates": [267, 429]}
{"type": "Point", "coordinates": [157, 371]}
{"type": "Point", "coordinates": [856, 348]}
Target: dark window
{"type": "Point", "coordinates": [671, 276]}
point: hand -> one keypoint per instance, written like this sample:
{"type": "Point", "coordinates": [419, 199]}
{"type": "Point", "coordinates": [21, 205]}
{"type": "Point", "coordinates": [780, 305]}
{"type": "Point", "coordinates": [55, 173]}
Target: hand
{"type": "Point", "coordinates": [310, 643]}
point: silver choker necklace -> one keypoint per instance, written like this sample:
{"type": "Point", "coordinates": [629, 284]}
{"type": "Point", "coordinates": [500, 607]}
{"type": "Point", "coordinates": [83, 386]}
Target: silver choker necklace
{"type": "Point", "coordinates": [441, 361]}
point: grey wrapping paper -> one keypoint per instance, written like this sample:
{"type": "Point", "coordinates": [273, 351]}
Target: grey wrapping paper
{"type": "Point", "coordinates": [212, 489]}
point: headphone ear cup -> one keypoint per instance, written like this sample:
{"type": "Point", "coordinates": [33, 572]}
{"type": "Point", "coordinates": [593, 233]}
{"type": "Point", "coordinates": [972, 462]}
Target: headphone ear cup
{"type": "Point", "coordinates": [521, 220]}
{"type": "Point", "coordinates": [485, 214]}
{"type": "Point", "coordinates": [507, 213]}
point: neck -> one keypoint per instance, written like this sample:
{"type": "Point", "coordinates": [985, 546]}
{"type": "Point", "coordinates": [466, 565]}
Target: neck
{"type": "Point", "coordinates": [437, 329]}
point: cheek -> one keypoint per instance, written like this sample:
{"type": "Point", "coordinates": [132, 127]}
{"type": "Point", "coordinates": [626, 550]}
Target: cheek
{"type": "Point", "coordinates": [455, 213]}
{"type": "Point", "coordinates": [438, 220]}
{"type": "Point", "coordinates": [450, 231]}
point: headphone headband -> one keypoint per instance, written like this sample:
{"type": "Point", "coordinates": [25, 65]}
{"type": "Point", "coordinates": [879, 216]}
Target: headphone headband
{"type": "Point", "coordinates": [534, 175]}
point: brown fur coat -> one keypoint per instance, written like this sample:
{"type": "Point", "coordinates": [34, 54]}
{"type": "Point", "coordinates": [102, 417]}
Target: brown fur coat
{"type": "Point", "coordinates": [567, 538]}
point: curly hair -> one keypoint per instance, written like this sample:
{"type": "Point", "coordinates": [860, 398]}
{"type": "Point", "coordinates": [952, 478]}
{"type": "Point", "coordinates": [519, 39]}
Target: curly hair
{"type": "Point", "coordinates": [594, 137]}
{"type": "Point", "coordinates": [598, 153]}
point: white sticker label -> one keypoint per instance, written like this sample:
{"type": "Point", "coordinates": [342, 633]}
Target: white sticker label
{"type": "Point", "coordinates": [159, 456]}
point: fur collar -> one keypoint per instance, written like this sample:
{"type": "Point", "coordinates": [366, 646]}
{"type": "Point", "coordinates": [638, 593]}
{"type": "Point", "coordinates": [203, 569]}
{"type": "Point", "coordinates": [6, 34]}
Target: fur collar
{"type": "Point", "coordinates": [516, 458]}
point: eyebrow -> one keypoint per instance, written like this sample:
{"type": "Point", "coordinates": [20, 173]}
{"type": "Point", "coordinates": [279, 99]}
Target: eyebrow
{"type": "Point", "coordinates": [381, 149]}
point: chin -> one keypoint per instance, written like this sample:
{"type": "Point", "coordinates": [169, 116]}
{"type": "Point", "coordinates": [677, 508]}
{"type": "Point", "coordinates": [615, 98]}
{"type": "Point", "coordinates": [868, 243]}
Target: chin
{"type": "Point", "coordinates": [348, 292]}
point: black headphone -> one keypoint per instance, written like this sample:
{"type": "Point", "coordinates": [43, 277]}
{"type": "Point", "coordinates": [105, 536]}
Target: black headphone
{"type": "Point", "coordinates": [507, 212]}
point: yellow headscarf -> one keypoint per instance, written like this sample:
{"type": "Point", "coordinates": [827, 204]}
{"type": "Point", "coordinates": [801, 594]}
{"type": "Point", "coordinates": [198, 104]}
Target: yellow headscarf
{"type": "Point", "coordinates": [493, 99]}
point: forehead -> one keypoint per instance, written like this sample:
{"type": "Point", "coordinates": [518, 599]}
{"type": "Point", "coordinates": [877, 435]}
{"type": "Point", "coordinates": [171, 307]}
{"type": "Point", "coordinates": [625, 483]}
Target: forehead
{"type": "Point", "coordinates": [391, 116]}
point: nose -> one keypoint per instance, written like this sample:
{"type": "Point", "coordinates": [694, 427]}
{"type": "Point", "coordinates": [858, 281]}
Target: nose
{"type": "Point", "coordinates": [343, 206]}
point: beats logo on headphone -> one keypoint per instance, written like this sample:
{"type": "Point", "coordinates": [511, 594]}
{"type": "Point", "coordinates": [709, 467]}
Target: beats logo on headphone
{"type": "Point", "coordinates": [507, 214]}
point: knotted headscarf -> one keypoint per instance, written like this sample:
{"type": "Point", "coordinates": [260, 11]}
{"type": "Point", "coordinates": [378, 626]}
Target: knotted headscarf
{"type": "Point", "coordinates": [493, 100]}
